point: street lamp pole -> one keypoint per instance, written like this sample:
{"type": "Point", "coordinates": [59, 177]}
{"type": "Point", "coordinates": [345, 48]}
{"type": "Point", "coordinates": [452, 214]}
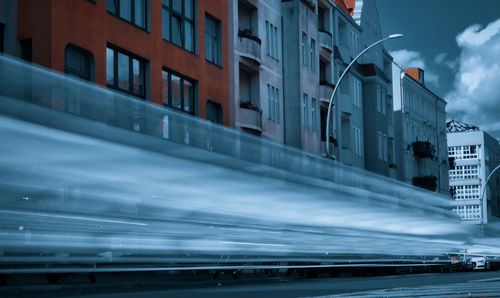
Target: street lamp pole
{"type": "Point", "coordinates": [484, 190]}
{"type": "Point", "coordinates": [338, 84]}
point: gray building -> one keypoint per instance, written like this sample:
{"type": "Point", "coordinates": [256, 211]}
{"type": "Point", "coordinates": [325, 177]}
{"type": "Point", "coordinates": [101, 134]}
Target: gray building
{"type": "Point", "coordinates": [256, 67]}
{"type": "Point", "coordinates": [420, 129]}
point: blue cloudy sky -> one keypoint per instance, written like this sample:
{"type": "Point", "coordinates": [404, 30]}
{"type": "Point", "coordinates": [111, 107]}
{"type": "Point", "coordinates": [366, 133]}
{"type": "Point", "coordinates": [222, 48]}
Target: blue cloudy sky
{"type": "Point", "coordinates": [457, 43]}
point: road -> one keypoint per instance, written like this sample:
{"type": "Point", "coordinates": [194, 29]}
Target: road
{"type": "Point", "coordinates": [484, 284]}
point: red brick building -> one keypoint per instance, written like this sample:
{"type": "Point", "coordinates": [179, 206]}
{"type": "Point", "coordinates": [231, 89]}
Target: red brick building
{"type": "Point", "coordinates": [170, 52]}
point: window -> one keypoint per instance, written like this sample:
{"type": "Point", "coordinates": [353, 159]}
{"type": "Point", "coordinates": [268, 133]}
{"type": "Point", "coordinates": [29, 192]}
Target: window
{"type": "Point", "coordinates": [178, 22]}
{"type": "Point", "coordinates": [78, 62]}
{"type": "Point", "coordinates": [466, 192]}
{"type": "Point", "coordinates": [304, 48]}
{"type": "Point", "coordinates": [314, 122]}
{"type": "Point", "coordinates": [272, 40]}
{"type": "Point", "coordinates": [384, 140]}
{"type": "Point", "coordinates": [468, 212]}
{"type": "Point", "coordinates": [356, 92]}
{"type": "Point", "coordinates": [214, 112]}
{"type": "Point", "coordinates": [464, 152]}
{"type": "Point", "coordinates": [464, 172]}
{"type": "Point", "coordinates": [384, 101]}
{"type": "Point", "coordinates": [345, 127]}
{"type": "Point", "coordinates": [133, 11]}
{"type": "Point", "coordinates": [26, 49]}
{"type": "Point", "coordinates": [354, 42]}
{"type": "Point", "coordinates": [305, 111]}
{"type": "Point", "coordinates": [379, 141]}
{"type": "Point", "coordinates": [358, 141]}
{"type": "Point", "coordinates": [273, 103]}
{"type": "Point", "coordinates": [1, 37]}
{"type": "Point", "coordinates": [213, 40]}
{"type": "Point", "coordinates": [379, 100]}
{"type": "Point", "coordinates": [313, 54]}
{"type": "Point", "coordinates": [178, 92]}
{"type": "Point", "coordinates": [125, 72]}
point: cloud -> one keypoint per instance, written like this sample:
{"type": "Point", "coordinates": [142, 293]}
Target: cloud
{"type": "Point", "coordinates": [441, 59]}
{"type": "Point", "coordinates": [475, 97]}
{"type": "Point", "coordinates": [412, 59]}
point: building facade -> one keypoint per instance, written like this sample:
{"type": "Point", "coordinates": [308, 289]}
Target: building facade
{"type": "Point", "coordinates": [420, 129]}
{"type": "Point", "coordinates": [256, 67]}
{"type": "Point", "coordinates": [473, 154]}
{"type": "Point", "coordinates": [167, 52]}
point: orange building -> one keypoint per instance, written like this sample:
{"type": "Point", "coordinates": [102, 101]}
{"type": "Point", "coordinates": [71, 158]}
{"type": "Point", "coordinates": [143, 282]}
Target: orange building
{"type": "Point", "coordinates": [169, 52]}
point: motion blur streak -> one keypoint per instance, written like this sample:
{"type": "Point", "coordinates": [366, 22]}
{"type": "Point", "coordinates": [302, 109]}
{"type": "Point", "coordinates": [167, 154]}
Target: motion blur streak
{"type": "Point", "coordinates": [90, 175]}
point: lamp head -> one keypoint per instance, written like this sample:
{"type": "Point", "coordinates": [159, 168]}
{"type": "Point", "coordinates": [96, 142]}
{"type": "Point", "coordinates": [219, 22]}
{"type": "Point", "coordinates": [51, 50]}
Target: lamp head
{"type": "Point", "coordinates": [395, 36]}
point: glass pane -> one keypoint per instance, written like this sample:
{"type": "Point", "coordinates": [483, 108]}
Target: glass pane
{"type": "Point", "coordinates": [188, 9]}
{"type": "Point", "coordinates": [111, 6]}
{"type": "Point", "coordinates": [177, 5]}
{"type": "Point", "coordinates": [188, 39]}
{"type": "Point", "coordinates": [126, 9]}
{"type": "Point", "coordinates": [164, 85]}
{"type": "Point", "coordinates": [217, 52]}
{"type": "Point", "coordinates": [176, 31]}
{"type": "Point", "coordinates": [138, 77]}
{"type": "Point", "coordinates": [208, 47]}
{"type": "Point", "coordinates": [123, 71]}
{"type": "Point", "coordinates": [140, 10]}
{"type": "Point", "coordinates": [166, 24]}
{"type": "Point", "coordinates": [110, 65]}
{"type": "Point", "coordinates": [188, 96]}
{"type": "Point", "coordinates": [176, 92]}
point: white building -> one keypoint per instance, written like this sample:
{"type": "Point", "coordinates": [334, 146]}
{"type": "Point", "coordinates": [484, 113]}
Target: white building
{"type": "Point", "coordinates": [420, 129]}
{"type": "Point", "coordinates": [473, 154]}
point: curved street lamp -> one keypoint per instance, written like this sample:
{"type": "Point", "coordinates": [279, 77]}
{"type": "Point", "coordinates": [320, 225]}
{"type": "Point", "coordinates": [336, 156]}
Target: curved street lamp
{"type": "Point", "coordinates": [484, 189]}
{"type": "Point", "coordinates": [392, 36]}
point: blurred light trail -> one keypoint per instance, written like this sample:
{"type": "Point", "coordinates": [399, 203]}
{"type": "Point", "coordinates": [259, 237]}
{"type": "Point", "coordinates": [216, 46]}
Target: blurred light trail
{"type": "Point", "coordinates": [105, 178]}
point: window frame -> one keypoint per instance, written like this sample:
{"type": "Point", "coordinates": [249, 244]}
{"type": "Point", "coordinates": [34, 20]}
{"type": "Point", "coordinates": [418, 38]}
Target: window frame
{"type": "Point", "coordinates": [183, 18]}
{"type": "Point", "coordinates": [313, 54]}
{"type": "Point", "coordinates": [67, 68]}
{"type": "Point", "coordinates": [305, 110]}
{"type": "Point", "coordinates": [116, 13]}
{"type": "Point", "coordinates": [131, 58]}
{"type": "Point", "coordinates": [217, 26]}
{"type": "Point", "coordinates": [183, 78]}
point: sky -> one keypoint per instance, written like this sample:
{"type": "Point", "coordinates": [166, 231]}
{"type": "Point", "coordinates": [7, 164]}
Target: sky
{"type": "Point", "coordinates": [457, 43]}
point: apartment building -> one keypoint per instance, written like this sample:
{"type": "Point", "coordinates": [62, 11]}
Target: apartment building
{"type": "Point", "coordinates": [473, 154]}
{"type": "Point", "coordinates": [256, 84]}
{"type": "Point", "coordinates": [420, 130]}
{"type": "Point", "coordinates": [375, 70]}
{"type": "Point", "coordinates": [171, 52]}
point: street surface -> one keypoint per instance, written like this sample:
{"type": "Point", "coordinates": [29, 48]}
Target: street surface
{"type": "Point", "coordinates": [484, 284]}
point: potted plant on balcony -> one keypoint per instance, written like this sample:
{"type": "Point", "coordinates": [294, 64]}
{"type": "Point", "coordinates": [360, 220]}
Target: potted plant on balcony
{"type": "Point", "coordinates": [247, 33]}
{"type": "Point", "coordinates": [248, 105]}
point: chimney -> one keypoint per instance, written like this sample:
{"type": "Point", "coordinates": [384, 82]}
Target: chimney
{"type": "Point", "coordinates": [417, 74]}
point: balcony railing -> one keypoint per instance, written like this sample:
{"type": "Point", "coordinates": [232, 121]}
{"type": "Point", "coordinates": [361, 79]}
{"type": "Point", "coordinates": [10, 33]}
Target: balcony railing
{"type": "Point", "coordinates": [250, 116]}
{"type": "Point", "coordinates": [423, 149]}
{"type": "Point", "coordinates": [427, 182]}
{"type": "Point", "coordinates": [325, 40]}
{"type": "Point", "coordinates": [249, 45]}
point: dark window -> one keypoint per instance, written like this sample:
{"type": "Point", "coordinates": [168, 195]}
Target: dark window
{"type": "Point", "coordinates": [78, 62]}
{"type": "Point", "coordinates": [125, 72]}
{"type": "Point", "coordinates": [178, 20]}
{"type": "Point", "coordinates": [133, 11]}
{"type": "Point", "coordinates": [213, 41]}
{"type": "Point", "coordinates": [214, 112]}
{"type": "Point", "coordinates": [26, 50]}
{"type": "Point", "coordinates": [178, 91]}
{"type": "Point", "coordinates": [323, 115]}
{"type": "Point", "coordinates": [2, 26]}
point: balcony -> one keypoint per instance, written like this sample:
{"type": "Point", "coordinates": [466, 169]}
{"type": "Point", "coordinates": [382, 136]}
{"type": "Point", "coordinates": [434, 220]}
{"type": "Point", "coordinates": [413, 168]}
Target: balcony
{"type": "Point", "coordinates": [325, 40]}
{"type": "Point", "coordinates": [344, 102]}
{"type": "Point", "coordinates": [250, 117]}
{"type": "Point", "coordinates": [423, 149]}
{"type": "Point", "coordinates": [325, 91]}
{"type": "Point", "coordinates": [249, 45]}
{"type": "Point", "coordinates": [427, 182]}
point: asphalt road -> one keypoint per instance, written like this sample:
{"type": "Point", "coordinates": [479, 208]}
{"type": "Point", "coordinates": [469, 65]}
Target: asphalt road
{"type": "Point", "coordinates": [484, 284]}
